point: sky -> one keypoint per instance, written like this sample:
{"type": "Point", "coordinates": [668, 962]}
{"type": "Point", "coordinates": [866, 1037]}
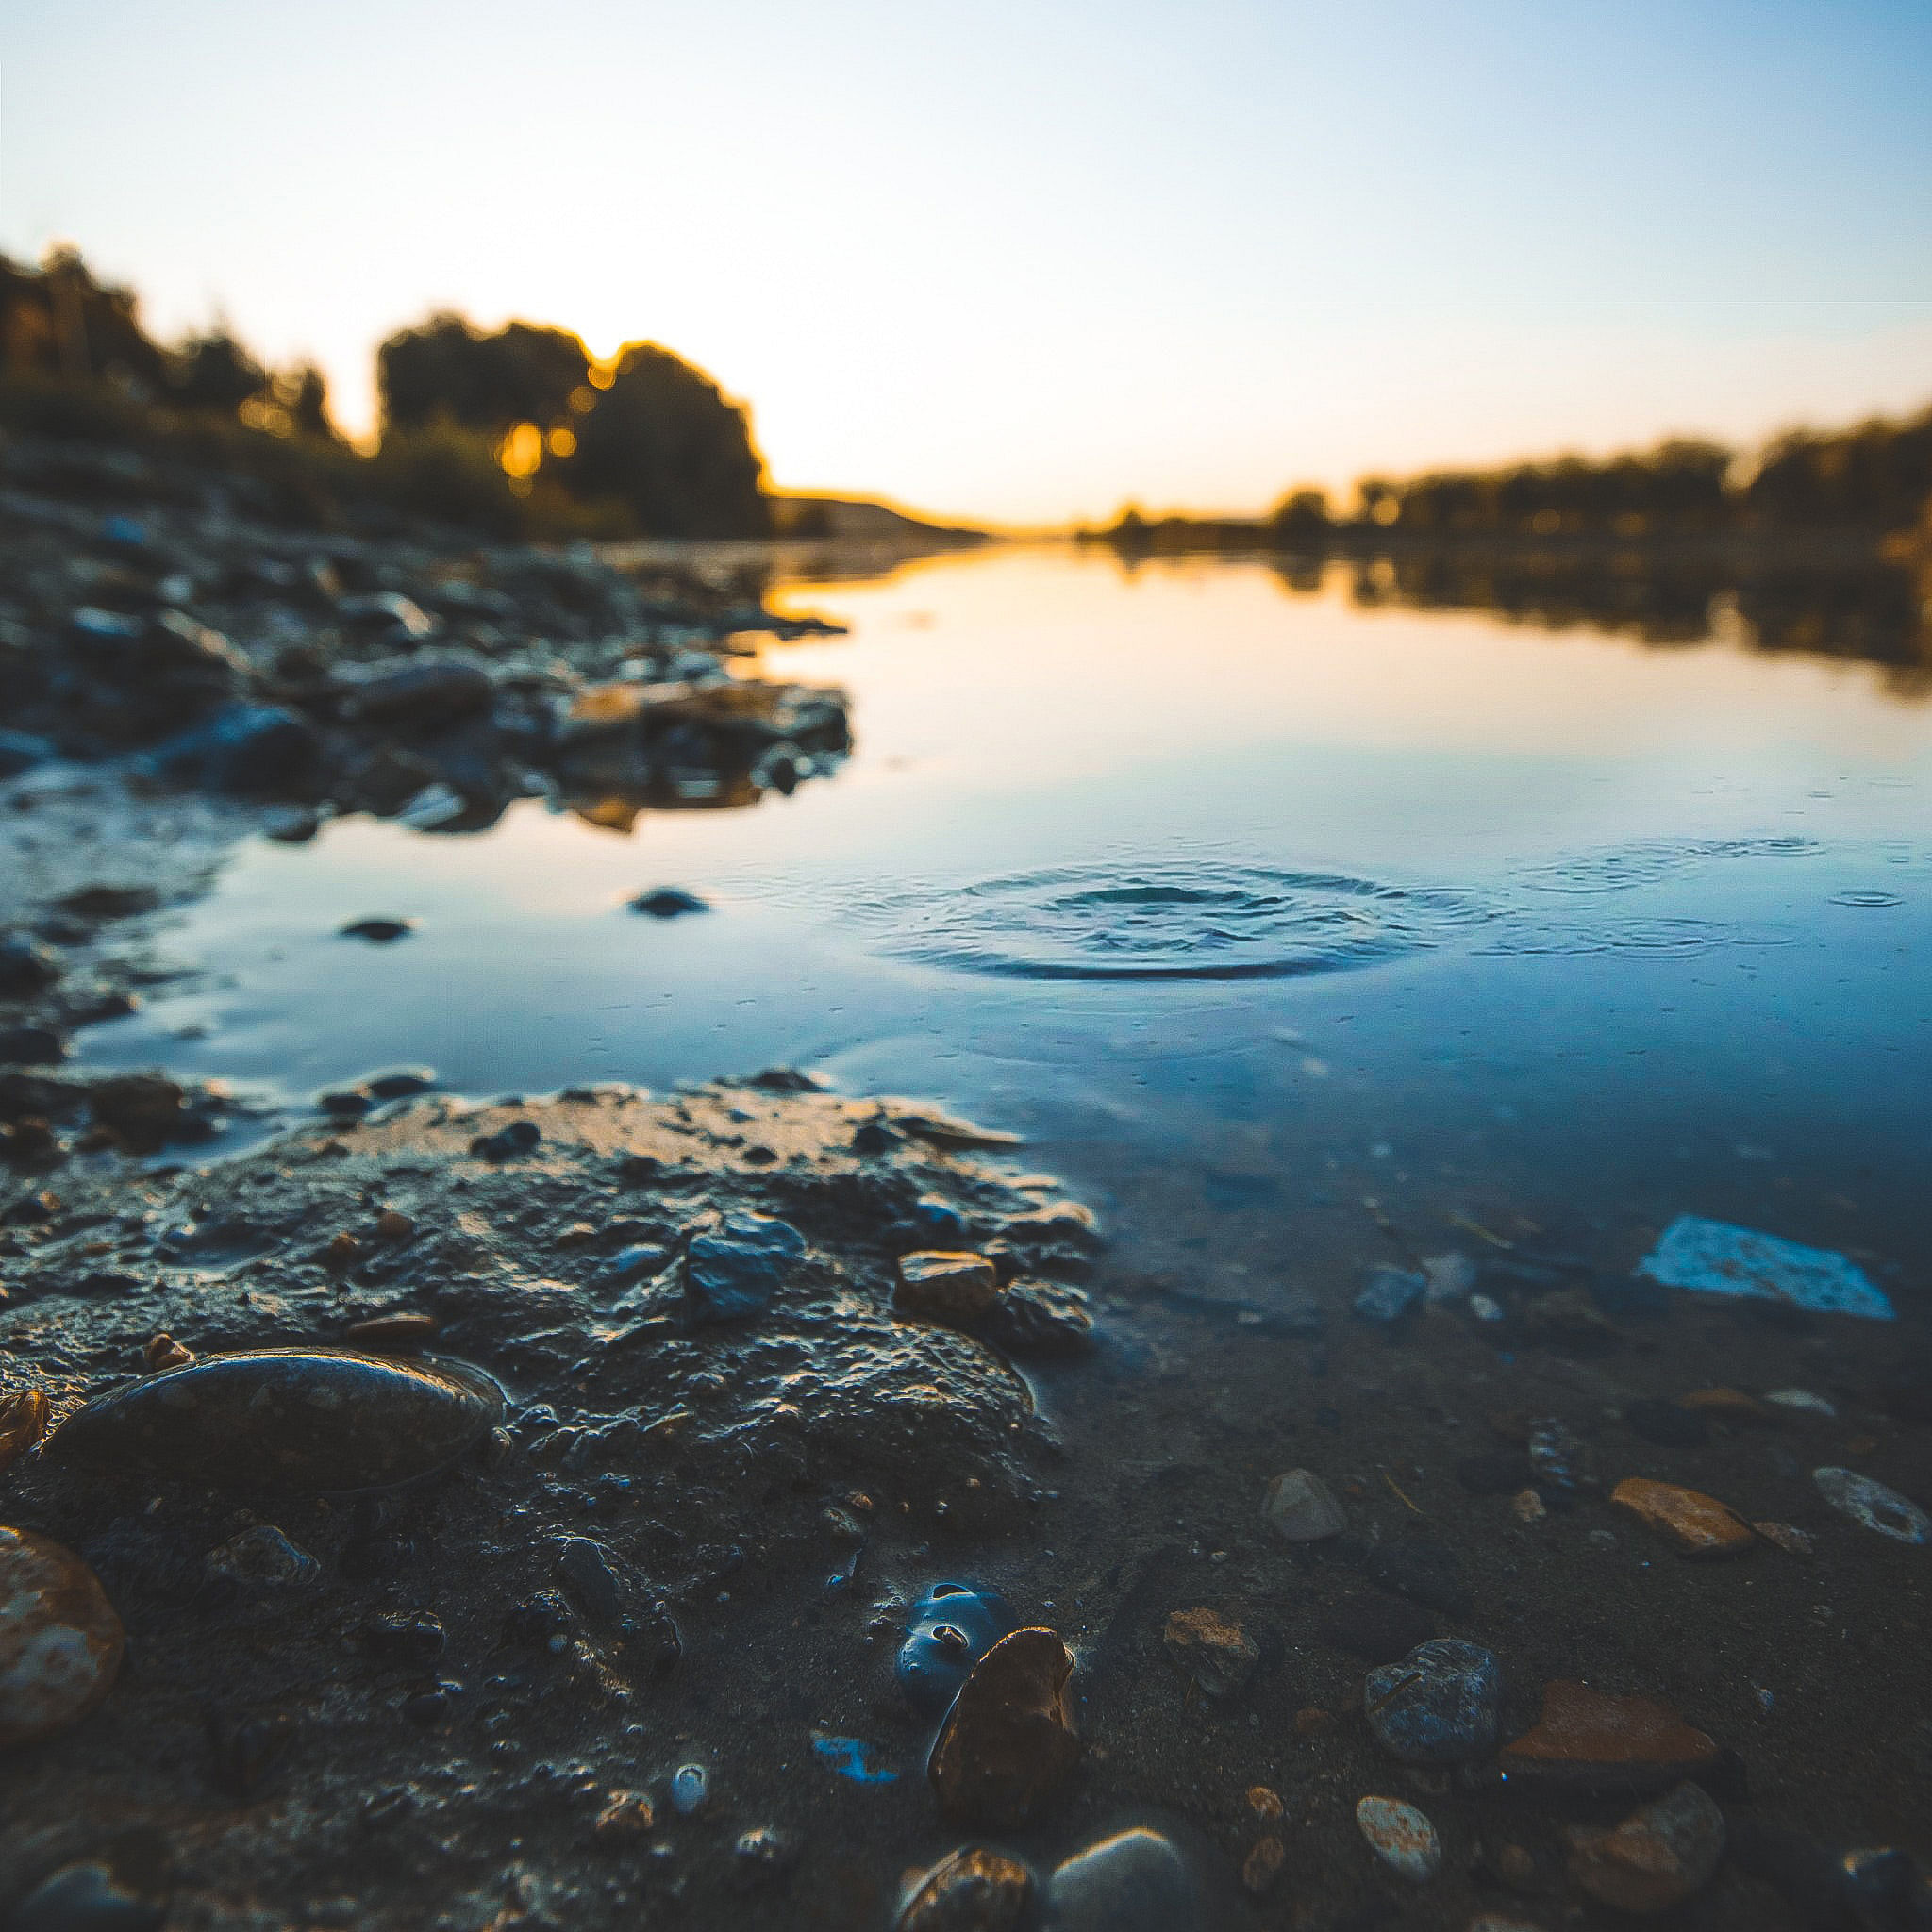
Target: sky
{"type": "Point", "coordinates": [1027, 262]}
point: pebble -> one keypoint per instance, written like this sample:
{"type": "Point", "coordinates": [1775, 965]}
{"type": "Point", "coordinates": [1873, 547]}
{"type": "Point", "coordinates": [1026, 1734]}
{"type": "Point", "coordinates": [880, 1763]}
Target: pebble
{"type": "Point", "coordinates": [1009, 1749]}
{"type": "Point", "coordinates": [1135, 1881]}
{"type": "Point", "coordinates": [23, 1423]}
{"type": "Point", "coordinates": [593, 1574]}
{"type": "Point", "coordinates": [1389, 1295]}
{"type": "Point", "coordinates": [314, 1420]}
{"type": "Point", "coordinates": [689, 1788]}
{"type": "Point", "coordinates": [1450, 1277]}
{"type": "Point", "coordinates": [1486, 1308]}
{"type": "Point", "coordinates": [1039, 1318]}
{"type": "Point", "coordinates": [1657, 1858]}
{"type": "Point", "coordinates": [948, 1631]}
{"type": "Point", "coordinates": [1303, 1508]}
{"type": "Point", "coordinates": [378, 931]}
{"type": "Point", "coordinates": [61, 1642]}
{"type": "Point", "coordinates": [733, 1269]}
{"type": "Point", "coordinates": [1401, 1837]}
{"type": "Point", "coordinates": [122, 1887]}
{"type": "Point", "coordinates": [25, 968]}
{"type": "Point", "coordinates": [1528, 1507]}
{"type": "Point", "coordinates": [1786, 1536]}
{"type": "Point", "coordinates": [668, 902]}
{"type": "Point", "coordinates": [1726, 1404]}
{"type": "Point", "coordinates": [627, 1818]}
{"type": "Point", "coordinates": [32, 1046]}
{"type": "Point", "coordinates": [1698, 1525]}
{"type": "Point", "coordinates": [164, 1353]}
{"type": "Point", "coordinates": [1376, 1627]}
{"type": "Point", "coordinates": [263, 1563]}
{"type": "Point", "coordinates": [1871, 1503]}
{"type": "Point", "coordinates": [511, 1139]}
{"type": "Point", "coordinates": [1555, 1455]}
{"type": "Point", "coordinates": [766, 1853]}
{"type": "Point", "coordinates": [945, 1285]}
{"type": "Point", "coordinates": [973, 1890]}
{"type": "Point", "coordinates": [1441, 1704]}
{"type": "Point", "coordinates": [1588, 1738]}
{"type": "Point", "coordinates": [1263, 1865]}
{"type": "Point", "coordinates": [1218, 1656]}
{"type": "Point", "coordinates": [1802, 1400]}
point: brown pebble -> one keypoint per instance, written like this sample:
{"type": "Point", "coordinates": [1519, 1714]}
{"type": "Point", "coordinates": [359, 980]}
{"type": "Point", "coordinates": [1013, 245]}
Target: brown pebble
{"type": "Point", "coordinates": [1266, 1803]}
{"type": "Point", "coordinates": [1587, 1737]}
{"type": "Point", "coordinates": [400, 1328]}
{"type": "Point", "coordinates": [163, 1352]}
{"type": "Point", "coordinates": [61, 1642]}
{"type": "Point", "coordinates": [627, 1817]}
{"type": "Point", "coordinates": [343, 1252]}
{"type": "Point", "coordinates": [23, 1423]}
{"type": "Point", "coordinates": [1527, 1507]}
{"type": "Point", "coordinates": [1698, 1524]}
{"type": "Point", "coordinates": [1218, 1656]}
{"type": "Point", "coordinates": [1727, 1406]}
{"type": "Point", "coordinates": [946, 1287]}
{"type": "Point", "coordinates": [1262, 1866]}
{"type": "Point", "coordinates": [1007, 1749]}
{"type": "Point", "coordinates": [392, 1226]}
{"type": "Point", "coordinates": [973, 1890]}
{"type": "Point", "coordinates": [1312, 1721]}
{"type": "Point", "coordinates": [1657, 1858]}
{"type": "Point", "coordinates": [1786, 1536]}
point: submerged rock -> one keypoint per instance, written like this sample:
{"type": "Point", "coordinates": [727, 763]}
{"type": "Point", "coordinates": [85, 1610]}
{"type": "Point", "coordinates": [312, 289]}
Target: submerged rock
{"type": "Point", "coordinates": [1589, 1740]}
{"type": "Point", "coordinates": [1440, 1704]}
{"type": "Point", "coordinates": [973, 1890]}
{"type": "Point", "coordinates": [315, 1420]}
{"type": "Point", "coordinates": [1218, 1656]}
{"type": "Point", "coordinates": [1009, 1748]}
{"type": "Point", "coordinates": [1698, 1525]}
{"type": "Point", "coordinates": [61, 1642]}
{"type": "Point", "coordinates": [1657, 1858]}
{"type": "Point", "coordinates": [1871, 1503]}
{"type": "Point", "coordinates": [732, 1271]}
{"type": "Point", "coordinates": [1389, 1295]}
{"type": "Point", "coordinates": [948, 1631]}
{"type": "Point", "coordinates": [1135, 1881]}
{"type": "Point", "coordinates": [1303, 1508]}
{"type": "Point", "coordinates": [668, 902]}
{"type": "Point", "coordinates": [1401, 1837]}
{"type": "Point", "coordinates": [941, 1285]}
{"type": "Point", "coordinates": [1039, 1318]}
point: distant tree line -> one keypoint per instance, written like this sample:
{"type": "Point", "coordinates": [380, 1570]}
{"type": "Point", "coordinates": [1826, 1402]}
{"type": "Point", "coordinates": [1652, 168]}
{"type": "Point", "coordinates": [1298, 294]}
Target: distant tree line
{"type": "Point", "coordinates": [515, 430]}
{"type": "Point", "coordinates": [1874, 479]}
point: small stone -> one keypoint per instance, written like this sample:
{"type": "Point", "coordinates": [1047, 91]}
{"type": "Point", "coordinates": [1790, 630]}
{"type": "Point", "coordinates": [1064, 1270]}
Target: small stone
{"type": "Point", "coordinates": [164, 1353]}
{"type": "Point", "coordinates": [941, 1285]}
{"type": "Point", "coordinates": [25, 968]}
{"type": "Point", "coordinates": [1262, 1866]}
{"type": "Point", "coordinates": [23, 1423]}
{"type": "Point", "coordinates": [61, 1642]}
{"type": "Point", "coordinates": [733, 1269]}
{"type": "Point", "coordinates": [948, 1631]}
{"type": "Point", "coordinates": [1486, 1308]}
{"type": "Point", "coordinates": [32, 1046]}
{"type": "Point", "coordinates": [1265, 1803]}
{"type": "Point", "coordinates": [1135, 1881]}
{"type": "Point", "coordinates": [1869, 1503]}
{"type": "Point", "coordinates": [1802, 1400]}
{"type": "Point", "coordinates": [1699, 1525]}
{"type": "Point", "coordinates": [1039, 1318]}
{"type": "Point", "coordinates": [1374, 1627]}
{"type": "Point", "coordinates": [124, 1886]}
{"type": "Point", "coordinates": [1389, 1295]}
{"type": "Point", "coordinates": [1220, 1656]}
{"type": "Point", "coordinates": [668, 902]}
{"type": "Point", "coordinates": [1009, 1748]}
{"type": "Point", "coordinates": [1303, 1508]}
{"type": "Point", "coordinates": [1557, 1457]}
{"type": "Point", "coordinates": [413, 1639]}
{"type": "Point", "coordinates": [394, 1332]}
{"type": "Point", "coordinates": [1450, 1277]}
{"type": "Point", "coordinates": [1588, 1738]}
{"type": "Point", "coordinates": [1401, 1837]}
{"type": "Point", "coordinates": [973, 1890]}
{"type": "Point", "coordinates": [378, 931]}
{"type": "Point", "coordinates": [766, 1853]}
{"type": "Point", "coordinates": [512, 1138]}
{"type": "Point", "coordinates": [143, 1112]}
{"type": "Point", "coordinates": [1726, 1405]}
{"type": "Point", "coordinates": [689, 1788]}
{"type": "Point", "coordinates": [1528, 1508]}
{"type": "Point", "coordinates": [627, 1818]}
{"type": "Point", "coordinates": [394, 1226]}
{"type": "Point", "coordinates": [1786, 1536]}
{"type": "Point", "coordinates": [263, 1563]}
{"type": "Point", "coordinates": [1657, 1858]}
{"type": "Point", "coordinates": [1440, 1704]}
{"type": "Point", "coordinates": [343, 1252]}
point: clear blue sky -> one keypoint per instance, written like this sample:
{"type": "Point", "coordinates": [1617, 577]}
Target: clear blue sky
{"type": "Point", "coordinates": [1026, 261]}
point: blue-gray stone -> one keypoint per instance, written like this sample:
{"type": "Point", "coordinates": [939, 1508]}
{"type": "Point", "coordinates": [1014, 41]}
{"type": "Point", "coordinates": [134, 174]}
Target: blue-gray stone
{"type": "Point", "coordinates": [242, 748]}
{"type": "Point", "coordinates": [1440, 1704]}
{"type": "Point", "coordinates": [734, 1269]}
{"type": "Point", "coordinates": [1135, 1881]}
{"type": "Point", "coordinates": [1389, 1295]}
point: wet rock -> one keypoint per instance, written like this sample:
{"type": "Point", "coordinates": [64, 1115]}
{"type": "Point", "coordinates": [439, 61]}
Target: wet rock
{"type": "Point", "coordinates": [1389, 1295]}
{"type": "Point", "coordinates": [944, 1129]}
{"type": "Point", "coordinates": [948, 1631]}
{"type": "Point", "coordinates": [125, 1886]}
{"type": "Point", "coordinates": [1303, 1508]}
{"type": "Point", "coordinates": [1800, 1402]}
{"type": "Point", "coordinates": [421, 695]}
{"type": "Point", "coordinates": [940, 1286]}
{"type": "Point", "coordinates": [1529, 1509]}
{"type": "Point", "coordinates": [1039, 1318]}
{"type": "Point", "coordinates": [1375, 1627]}
{"type": "Point", "coordinates": [61, 1642]}
{"type": "Point", "coordinates": [1450, 1278]}
{"type": "Point", "coordinates": [1697, 1526]}
{"type": "Point", "coordinates": [378, 931]}
{"type": "Point", "coordinates": [23, 1423]}
{"type": "Point", "coordinates": [142, 1112]}
{"type": "Point", "coordinates": [1873, 1504]}
{"type": "Point", "coordinates": [1423, 1569]}
{"type": "Point", "coordinates": [1135, 1881]}
{"type": "Point", "coordinates": [512, 1138]}
{"type": "Point", "coordinates": [1657, 1857]}
{"type": "Point", "coordinates": [973, 1890]}
{"type": "Point", "coordinates": [1786, 1536]}
{"type": "Point", "coordinates": [766, 1854]}
{"type": "Point", "coordinates": [310, 1420]}
{"type": "Point", "coordinates": [734, 1269]}
{"type": "Point", "coordinates": [1401, 1837]}
{"type": "Point", "coordinates": [262, 1564]}
{"type": "Point", "coordinates": [25, 968]}
{"type": "Point", "coordinates": [690, 1789]}
{"type": "Point", "coordinates": [1557, 1457]}
{"type": "Point", "coordinates": [413, 1638]}
{"type": "Point", "coordinates": [1220, 1656]}
{"type": "Point", "coordinates": [668, 902]}
{"type": "Point", "coordinates": [1009, 1749]}
{"type": "Point", "coordinates": [246, 750]}
{"type": "Point", "coordinates": [1588, 1739]}
{"type": "Point", "coordinates": [1441, 1704]}
{"type": "Point", "coordinates": [32, 1046]}
{"type": "Point", "coordinates": [627, 1820]}
{"type": "Point", "coordinates": [596, 1579]}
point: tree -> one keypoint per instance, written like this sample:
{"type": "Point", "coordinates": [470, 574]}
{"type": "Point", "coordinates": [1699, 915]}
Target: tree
{"type": "Point", "coordinates": [1301, 517]}
{"type": "Point", "coordinates": [214, 372]}
{"type": "Point", "coordinates": [450, 369]}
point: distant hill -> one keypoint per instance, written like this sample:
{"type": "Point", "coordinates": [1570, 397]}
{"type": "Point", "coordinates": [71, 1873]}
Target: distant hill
{"type": "Point", "coordinates": [853, 519]}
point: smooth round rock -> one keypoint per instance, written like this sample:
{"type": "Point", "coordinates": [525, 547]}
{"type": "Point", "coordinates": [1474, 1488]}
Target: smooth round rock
{"type": "Point", "coordinates": [1135, 1881]}
{"type": "Point", "coordinates": [61, 1642]}
{"type": "Point", "coordinates": [1303, 1508]}
{"type": "Point", "coordinates": [1657, 1859]}
{"type": "Point", "coordinates": [973, 1890]}
{"type": "Point", "coordinates": [312, 1419]}
{"type": "Point", "coordinates": [1441, 1704]}
{"type": "Point", "coordinates": [1401, 1837]}
{"type": "Point", "coordinates": [1874, 1505]}
{"type": "Point", "coordinates": [948, 1631]}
